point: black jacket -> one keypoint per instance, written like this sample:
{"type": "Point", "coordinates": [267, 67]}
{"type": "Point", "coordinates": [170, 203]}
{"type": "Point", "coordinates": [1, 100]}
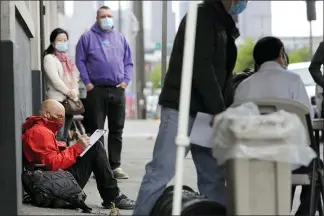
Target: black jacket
{"type": "Point", "coordinates": [315, 66]}
{"type": "Point", "coordinates": [214, 60]}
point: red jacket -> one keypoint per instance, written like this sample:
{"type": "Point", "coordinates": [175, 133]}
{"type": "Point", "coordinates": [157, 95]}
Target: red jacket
{"type": "Point", "coordinates": [40, 145]}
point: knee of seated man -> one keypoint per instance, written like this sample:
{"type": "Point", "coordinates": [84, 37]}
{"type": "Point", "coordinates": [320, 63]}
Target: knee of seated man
{"type": "Point", "coordinates": [98, 147]}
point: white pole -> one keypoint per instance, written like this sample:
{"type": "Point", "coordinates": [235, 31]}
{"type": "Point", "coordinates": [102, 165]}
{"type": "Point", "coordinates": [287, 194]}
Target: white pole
{"type": "Point", "coordinates": [164, 40]}
{"type": "Point", "coordinates": [182, 139]}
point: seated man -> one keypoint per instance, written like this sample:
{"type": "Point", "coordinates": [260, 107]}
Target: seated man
{"type": "Point", "coordinates": [40, 146]}
{"type": "Point", "coordinates": [273, 80]}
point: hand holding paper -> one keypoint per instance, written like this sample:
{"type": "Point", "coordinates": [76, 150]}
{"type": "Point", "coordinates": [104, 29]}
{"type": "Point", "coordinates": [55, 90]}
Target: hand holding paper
{"type": "Point", "coordinates": [202, 130]}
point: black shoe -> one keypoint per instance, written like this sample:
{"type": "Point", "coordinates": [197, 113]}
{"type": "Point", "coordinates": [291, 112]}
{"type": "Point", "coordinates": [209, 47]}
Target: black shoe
{"type": "Point", "coordinates": [121, 202]}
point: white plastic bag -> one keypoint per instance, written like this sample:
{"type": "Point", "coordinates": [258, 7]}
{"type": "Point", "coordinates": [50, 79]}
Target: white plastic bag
{"type": "Point", "coordinates": [242, 132]}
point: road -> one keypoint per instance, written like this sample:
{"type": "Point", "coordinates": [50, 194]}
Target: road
{"type": "Point", "coordinates": [137, 151]}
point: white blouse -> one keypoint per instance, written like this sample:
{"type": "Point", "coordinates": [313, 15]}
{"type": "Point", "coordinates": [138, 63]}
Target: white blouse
{"type": "Point", "coordinates": [58, 82]}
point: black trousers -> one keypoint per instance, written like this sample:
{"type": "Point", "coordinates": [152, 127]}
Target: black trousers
{"type": "Point", "coordinates": [305, 196]}
{"type": "Point", "coordinates": [96, 161]}
{"type": "Point", "coordinates": [102, 102]}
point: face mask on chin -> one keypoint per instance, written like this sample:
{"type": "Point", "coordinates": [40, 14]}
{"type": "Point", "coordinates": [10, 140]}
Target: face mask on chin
{"type": "Point", "coordinates": [107, 23]}
{"type": "Point", "coordinates": [285, 60]}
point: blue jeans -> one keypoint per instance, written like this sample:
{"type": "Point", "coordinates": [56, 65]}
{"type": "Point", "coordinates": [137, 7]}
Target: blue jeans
{"type": "Point", "coordinates": [62, 134]}
{"type": "Point", "coordinates": [161, 169]}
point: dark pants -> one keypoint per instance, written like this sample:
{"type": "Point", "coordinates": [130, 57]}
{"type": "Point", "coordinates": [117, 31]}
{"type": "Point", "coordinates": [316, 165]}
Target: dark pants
{"type": "Point", "coordinates": [102, 102]}
{"type": "Point", "coordinates": [85, 116]}
{"type": "Point", "coordinates": [96, 161]}
{"type": "Point", "coordinates": [305, 196]}
{"type": "Point", "coordinates": [62, 135]}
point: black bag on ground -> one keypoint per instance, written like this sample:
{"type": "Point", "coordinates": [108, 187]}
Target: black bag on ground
{"type": "Point", "coordinates": [193, 204]}
{"type": "Point", "coordinates": [54, 189]}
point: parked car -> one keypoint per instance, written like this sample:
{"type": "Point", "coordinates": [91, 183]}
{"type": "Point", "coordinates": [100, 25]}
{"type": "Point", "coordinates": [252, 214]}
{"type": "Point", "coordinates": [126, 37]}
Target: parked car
{"type": "Point", "coordinates": [314, 91]}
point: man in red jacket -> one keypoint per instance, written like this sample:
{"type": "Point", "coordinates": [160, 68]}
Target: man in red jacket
{"type": "Point", "coordinates": [40, 146]}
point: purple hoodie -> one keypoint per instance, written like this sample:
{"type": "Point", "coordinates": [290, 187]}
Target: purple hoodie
{"type": "Point", "coordinates": [103, 58]}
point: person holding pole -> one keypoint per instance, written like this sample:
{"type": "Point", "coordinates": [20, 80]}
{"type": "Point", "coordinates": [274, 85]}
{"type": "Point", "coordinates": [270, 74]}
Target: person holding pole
{"type": "Point", "coordinates": [214, 60]}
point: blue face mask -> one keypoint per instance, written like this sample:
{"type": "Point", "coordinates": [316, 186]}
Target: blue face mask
{"type": "Point", "coordinates": [238, 8]}
{"type": "Point", "coordinates": [106, 23]}
{"type": "Point", "coordinates": [61, 46]}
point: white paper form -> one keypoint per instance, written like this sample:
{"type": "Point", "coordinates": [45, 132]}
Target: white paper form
{"type": "Point", "coordinates": [201, 132]}
{"type": "Point", "coordinates": [93, 139]}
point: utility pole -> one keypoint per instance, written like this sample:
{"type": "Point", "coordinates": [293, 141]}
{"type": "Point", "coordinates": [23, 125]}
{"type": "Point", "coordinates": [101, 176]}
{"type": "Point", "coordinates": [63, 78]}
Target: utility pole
{"type": "Point", "coordinates": [119, 17]}
{"type": "Point", "coordinates": [164, 40]}
{"type": "Point", "coordinates": [262, 19]}
{"type": "Point", "coordinates": [139, 62]}
{"type": "Point", "coordinates": [311, 16]}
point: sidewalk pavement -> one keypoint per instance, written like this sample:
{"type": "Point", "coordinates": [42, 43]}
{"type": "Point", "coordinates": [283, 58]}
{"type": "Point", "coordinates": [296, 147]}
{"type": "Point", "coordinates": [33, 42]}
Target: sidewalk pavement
{"type": "Point", "coordinates": [137, 151]}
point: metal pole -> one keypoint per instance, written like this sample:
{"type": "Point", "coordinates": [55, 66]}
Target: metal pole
{"type": "Point", "coordinates": [182, 139]}
{"type": "Point", "coordinates": [119, 17]}
{"type": "Point", "coordinates": [310, 40]}
{"type": "Point", "coordinates": [139, 58]}
{"type": "Point", "coordinates": [42, 45]}
{"type": "Point", "coordinates": [164, 40]}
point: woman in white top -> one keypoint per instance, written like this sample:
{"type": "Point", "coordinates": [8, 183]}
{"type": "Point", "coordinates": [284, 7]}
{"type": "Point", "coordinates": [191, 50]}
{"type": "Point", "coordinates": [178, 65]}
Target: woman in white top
{"type": "Point", "coordinates": [62, 75]}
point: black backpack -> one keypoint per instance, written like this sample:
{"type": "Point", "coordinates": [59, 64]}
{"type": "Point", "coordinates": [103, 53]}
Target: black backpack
{"type": "Point", "coordinates": [54, 189]}
{"type": "Point", "coordinates": [239, 77]}
{"type": "Point", "coordinates": [193, 204]}
{"type": "Point", "coordinates": [233, 83]}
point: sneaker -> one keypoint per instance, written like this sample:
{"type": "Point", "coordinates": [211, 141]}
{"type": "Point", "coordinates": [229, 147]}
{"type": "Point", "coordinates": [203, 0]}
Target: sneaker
{"type": "Point", "coordinates": [121, 202]}
{"type": "Point", "coordinates": [120, 174]}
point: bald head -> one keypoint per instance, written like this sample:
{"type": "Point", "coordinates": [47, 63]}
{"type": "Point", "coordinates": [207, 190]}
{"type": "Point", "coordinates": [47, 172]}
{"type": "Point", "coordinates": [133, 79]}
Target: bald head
{"type": "Point", "coordinates": [52, 110]}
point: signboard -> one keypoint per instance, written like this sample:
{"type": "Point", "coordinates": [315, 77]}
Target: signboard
{"type": "Point", "coordinates": [158, 45]}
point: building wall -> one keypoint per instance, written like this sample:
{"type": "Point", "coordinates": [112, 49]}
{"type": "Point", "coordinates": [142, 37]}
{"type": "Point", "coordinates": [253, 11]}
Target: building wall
{"type": "Point", "coordinates": [255, 21]}
{"type": "Point", "coordinates": [84, 16]}
{"type": "Point", "coordinates": [20, 88]}
{"type": "Point", "coordinates": [183, 8]}
{"type": "Point", "coordinates": [156, 27]}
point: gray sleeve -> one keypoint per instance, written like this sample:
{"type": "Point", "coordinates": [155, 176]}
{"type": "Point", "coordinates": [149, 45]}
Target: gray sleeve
{"type": "Point", "coordinates": [315, 66]}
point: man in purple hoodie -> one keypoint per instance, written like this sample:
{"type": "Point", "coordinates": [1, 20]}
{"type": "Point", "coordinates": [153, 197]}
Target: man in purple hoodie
{"type": "Point", "coordinates": [104, 60]}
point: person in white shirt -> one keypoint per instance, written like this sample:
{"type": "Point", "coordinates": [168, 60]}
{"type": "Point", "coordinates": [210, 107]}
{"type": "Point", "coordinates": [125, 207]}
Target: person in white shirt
{"type": "Point", "coordinates": [62, 75]}
{"type": "Point", "coordinates": [273, 80]}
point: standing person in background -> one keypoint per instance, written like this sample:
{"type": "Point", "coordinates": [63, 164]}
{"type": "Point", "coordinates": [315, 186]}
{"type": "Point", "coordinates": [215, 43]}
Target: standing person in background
{"type": "Point", "coordinates": [104, 60]}
{"type": "Point", "coordinates": [315, 70]}
{"type": "Point", "coordinates": [62, 75]}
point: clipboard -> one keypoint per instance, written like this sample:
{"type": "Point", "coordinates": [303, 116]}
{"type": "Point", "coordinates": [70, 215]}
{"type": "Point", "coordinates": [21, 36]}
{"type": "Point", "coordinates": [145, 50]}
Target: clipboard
{"type": "Point", "coordinates": [93, 139]}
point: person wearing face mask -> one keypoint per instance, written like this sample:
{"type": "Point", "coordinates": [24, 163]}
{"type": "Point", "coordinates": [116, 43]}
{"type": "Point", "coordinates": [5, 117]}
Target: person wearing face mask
{"type": "Point", "coordinates": [214, 60]}
{"type": "Point", "coordinates": [273, 80]}
{"type": "Point", "coordinates": [41, 147]}
{"type": "Point", "coordinates": [104, 60]}
{"type": "Point", "coordinates": [62, 76]}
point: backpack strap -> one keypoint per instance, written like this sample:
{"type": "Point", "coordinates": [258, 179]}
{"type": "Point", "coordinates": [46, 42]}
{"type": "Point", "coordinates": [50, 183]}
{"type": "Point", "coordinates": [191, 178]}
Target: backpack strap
{"type": "Point", "coordinates": [81, 205]}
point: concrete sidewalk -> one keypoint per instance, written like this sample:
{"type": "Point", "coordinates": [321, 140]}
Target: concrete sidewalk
{"type": "Point", "coordinates": [136, 153]}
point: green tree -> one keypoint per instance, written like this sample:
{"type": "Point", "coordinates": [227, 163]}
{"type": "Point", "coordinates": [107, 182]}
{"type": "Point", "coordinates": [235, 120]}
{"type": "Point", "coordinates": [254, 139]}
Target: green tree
{"type": "Point", "coordinates": [245, 55]}
{"type": "Point", "coordinates": [155, 76]}
{"type": "Point", "coordinates": [299, 55]}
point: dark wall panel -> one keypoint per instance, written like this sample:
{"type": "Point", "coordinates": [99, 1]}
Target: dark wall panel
{"type": "Point", "coordinates": [36, 90]}
{"type": "Point", "coordinates": [16, 105]}
{"type": "Point", "coordinates": [10, 145]}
